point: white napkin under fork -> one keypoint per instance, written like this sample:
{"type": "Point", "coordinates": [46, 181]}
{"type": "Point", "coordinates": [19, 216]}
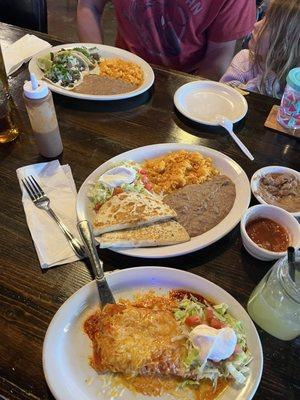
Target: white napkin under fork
{"type": "Point", "coordinates": [57, 182]}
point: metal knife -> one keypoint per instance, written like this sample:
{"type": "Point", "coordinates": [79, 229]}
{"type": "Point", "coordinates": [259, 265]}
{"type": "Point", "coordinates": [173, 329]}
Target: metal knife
{"type": "Point", "coordinates": [87, 237]}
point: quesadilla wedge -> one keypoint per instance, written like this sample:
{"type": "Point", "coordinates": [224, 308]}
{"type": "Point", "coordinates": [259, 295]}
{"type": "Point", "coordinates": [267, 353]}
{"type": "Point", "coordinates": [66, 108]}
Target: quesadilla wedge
{"type": "Point", "coordinates": [158, 234]}
{"type": "Point", "coordinates": [129, 210]}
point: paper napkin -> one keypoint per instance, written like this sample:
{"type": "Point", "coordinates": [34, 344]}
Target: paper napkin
{"type": "Point", "coordinates": [21, 51]}
{"type": "Point", "coordinates": [57, 182]}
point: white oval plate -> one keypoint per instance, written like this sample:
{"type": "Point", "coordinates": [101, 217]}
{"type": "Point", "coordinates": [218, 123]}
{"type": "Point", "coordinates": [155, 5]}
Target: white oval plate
{"type": "Point", "coordinates": [225, 165]}
{"type": "Point", "coordinates": [106, 51]}
{"type": "Point", "coordinates": [201, 101]}
{"type": "Point", "coordinates": [267, 170]}
{"type": "Point", "coordinates": [66, 347]}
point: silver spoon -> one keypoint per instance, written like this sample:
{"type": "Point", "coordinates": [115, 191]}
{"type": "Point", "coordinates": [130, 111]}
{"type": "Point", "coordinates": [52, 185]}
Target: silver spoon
{"type": "Point", "coordinates": [228, 125]}
{"type": "Point", "coordinates": [105, 294]}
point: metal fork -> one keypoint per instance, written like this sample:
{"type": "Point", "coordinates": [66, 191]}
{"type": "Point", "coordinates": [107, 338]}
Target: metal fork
{"type": "Point", "coordinates": [41, 201]}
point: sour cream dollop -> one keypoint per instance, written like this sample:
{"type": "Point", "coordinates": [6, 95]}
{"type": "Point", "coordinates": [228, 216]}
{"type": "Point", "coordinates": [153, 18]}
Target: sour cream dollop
{"type": "Point", "coordinates": [213, 344]}
{"type": "Point", "coordinates": [118, 176]}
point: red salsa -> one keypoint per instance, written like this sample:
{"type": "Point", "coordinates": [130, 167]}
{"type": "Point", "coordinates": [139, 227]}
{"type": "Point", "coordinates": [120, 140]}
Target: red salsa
{"type": "Point", "coordinates": [268, 234]}
{"type": "Point", "coordinates": [180, 294]}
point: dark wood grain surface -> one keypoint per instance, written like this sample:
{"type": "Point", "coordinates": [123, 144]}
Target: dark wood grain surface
{"type": "Point", "coordinates": [92, 133]}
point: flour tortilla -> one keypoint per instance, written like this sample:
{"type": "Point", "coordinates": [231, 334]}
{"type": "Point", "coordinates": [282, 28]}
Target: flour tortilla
{"type": "Point", "coordinates": [158, 234]}
{"type": "Point", "coordinates": [130, 210]}
{"type": "Point", "coordinates": [45, 62]}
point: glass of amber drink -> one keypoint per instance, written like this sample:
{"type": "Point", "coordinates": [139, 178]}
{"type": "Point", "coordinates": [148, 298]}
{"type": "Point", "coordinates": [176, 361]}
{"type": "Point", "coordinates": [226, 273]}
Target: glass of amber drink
{"type": "Point", "coordinates": [8, 131]}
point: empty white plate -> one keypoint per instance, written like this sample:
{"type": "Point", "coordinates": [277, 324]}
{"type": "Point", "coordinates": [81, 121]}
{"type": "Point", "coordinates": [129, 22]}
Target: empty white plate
{"type": "Point", "coordinates": [201, 101]}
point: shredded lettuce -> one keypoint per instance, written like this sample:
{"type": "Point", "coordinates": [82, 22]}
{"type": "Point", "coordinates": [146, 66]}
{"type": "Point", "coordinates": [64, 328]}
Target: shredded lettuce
{"type": "Point", "coordinates": [187, 382]}
{"type": "Point", "coordinates": [192, 360]}
{"type": "Point", "coordinates": [100, 193]}
{"type": "Point", "coordinates": [188, 308]}
{"type": "Point", "coordinates": [238, 376]}
{"type": "Point", "coordinates": [235, 367]}
{"type": "Point", "coordinates": [136, 186]}
{"type": "Point", "coordinates": [221, 308]}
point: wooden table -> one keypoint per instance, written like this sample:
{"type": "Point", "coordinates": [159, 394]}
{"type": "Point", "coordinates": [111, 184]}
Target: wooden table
{"type": "Point", "coordinates": [92, 133]}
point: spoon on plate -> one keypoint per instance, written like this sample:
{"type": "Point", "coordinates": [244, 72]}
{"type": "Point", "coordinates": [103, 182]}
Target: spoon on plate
{"type": "Point", "coordinates": [228, 125]}
{"type": "Point", "coordinates": [105, 294]}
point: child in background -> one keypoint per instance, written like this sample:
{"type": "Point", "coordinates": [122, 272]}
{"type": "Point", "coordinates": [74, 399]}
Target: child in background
{"type": "Point", "coordinates": [274, 50]}
{"type": "Point", "coordinates": [261, 6]}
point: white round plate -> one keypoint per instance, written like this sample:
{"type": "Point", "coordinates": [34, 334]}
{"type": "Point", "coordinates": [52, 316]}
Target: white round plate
{"type": "Point", "coordinates": [277, 169]}
{"type": "Point", "coordinates": [201, 101]}
{"type": "Point", "coordinates": [67, 349]}
{"type": "Point", "coordinates": [106, 51]}
{"type": "Point", "coordinates": [224, 164]}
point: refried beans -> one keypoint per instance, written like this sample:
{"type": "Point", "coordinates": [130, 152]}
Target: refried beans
{"type": "Point", "coordinates": [200, 207]}
{"type": "Point", "coordinates": [103, 85]}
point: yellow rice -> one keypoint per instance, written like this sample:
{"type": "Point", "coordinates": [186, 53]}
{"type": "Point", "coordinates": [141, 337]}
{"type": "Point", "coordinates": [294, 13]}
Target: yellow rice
{"type": "Point", "coordinates": [177, 169]}
{"type": "Point", "coordinates": [120, 69]}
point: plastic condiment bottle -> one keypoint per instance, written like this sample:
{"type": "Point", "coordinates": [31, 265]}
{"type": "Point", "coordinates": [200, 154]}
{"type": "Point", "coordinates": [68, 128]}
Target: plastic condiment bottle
{"type": "Point", "coordinates": [39, 104]}
{"type": "Point", "coordinates": [289, 111]}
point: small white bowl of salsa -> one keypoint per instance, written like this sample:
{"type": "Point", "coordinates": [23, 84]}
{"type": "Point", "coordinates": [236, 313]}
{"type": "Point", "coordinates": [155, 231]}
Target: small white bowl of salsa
{"type": "Point", "coordinates": [267, 231]}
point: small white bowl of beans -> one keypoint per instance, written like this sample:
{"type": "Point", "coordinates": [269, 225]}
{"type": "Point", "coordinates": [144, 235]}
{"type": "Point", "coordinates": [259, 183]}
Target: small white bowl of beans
{"type": "Point", "coordinates": [279, 186]}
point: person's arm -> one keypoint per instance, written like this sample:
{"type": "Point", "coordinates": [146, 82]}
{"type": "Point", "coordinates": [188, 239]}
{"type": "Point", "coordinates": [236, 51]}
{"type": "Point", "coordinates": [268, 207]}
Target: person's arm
{"type": "Point", "coordinates": [216, 59]}
{"type": "Point", "coordinates": [240, 71]}
{"type": "Point", "coordinates": [89, 13]}
{"type": "Point", "coordinates": [235, 19]}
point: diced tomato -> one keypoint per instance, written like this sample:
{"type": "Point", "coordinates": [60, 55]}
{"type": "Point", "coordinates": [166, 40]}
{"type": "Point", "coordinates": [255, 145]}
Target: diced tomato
{"type": "Point", "coordinates": [212, 320]}
{"type": "Point", "coordinates": [215, 323]}
{"type": "Point", "coordinates": [97, 207]}
{"type": "Point", "coordinates": [237, 349]}
{"type": "Point", "coordinates": [209, 315]}
{"type": "Point", "coordinates": [143, 172]}
{"type": "Point", "coordinates": [193, 320]}
{"type": "Point", "coordinates": [148, 186]}
{"type": "Point", "coordinates": [144, 179]}
{"type": "Point", "coordinates": [117, 190]}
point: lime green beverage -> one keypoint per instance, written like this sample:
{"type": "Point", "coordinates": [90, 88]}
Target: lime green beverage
{"type": "Point", "coordinates": [275, 303]}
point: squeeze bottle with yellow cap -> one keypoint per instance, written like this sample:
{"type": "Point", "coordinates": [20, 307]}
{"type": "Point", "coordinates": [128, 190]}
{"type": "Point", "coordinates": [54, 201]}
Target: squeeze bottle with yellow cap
{"type": "Point", "coordinates": [39, 104]}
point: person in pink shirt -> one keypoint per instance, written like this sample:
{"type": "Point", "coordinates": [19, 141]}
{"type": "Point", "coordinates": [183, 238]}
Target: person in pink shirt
{"type": "Point", "coordinates": [195, 36]}
{"type": "Point", "coordinates": [274, 50]}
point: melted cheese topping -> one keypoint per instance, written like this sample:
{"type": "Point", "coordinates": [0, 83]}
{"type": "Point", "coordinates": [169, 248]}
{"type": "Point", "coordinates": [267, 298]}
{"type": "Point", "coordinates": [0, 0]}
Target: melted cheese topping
{"type": "Point", "coordinates": [136, 338]}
